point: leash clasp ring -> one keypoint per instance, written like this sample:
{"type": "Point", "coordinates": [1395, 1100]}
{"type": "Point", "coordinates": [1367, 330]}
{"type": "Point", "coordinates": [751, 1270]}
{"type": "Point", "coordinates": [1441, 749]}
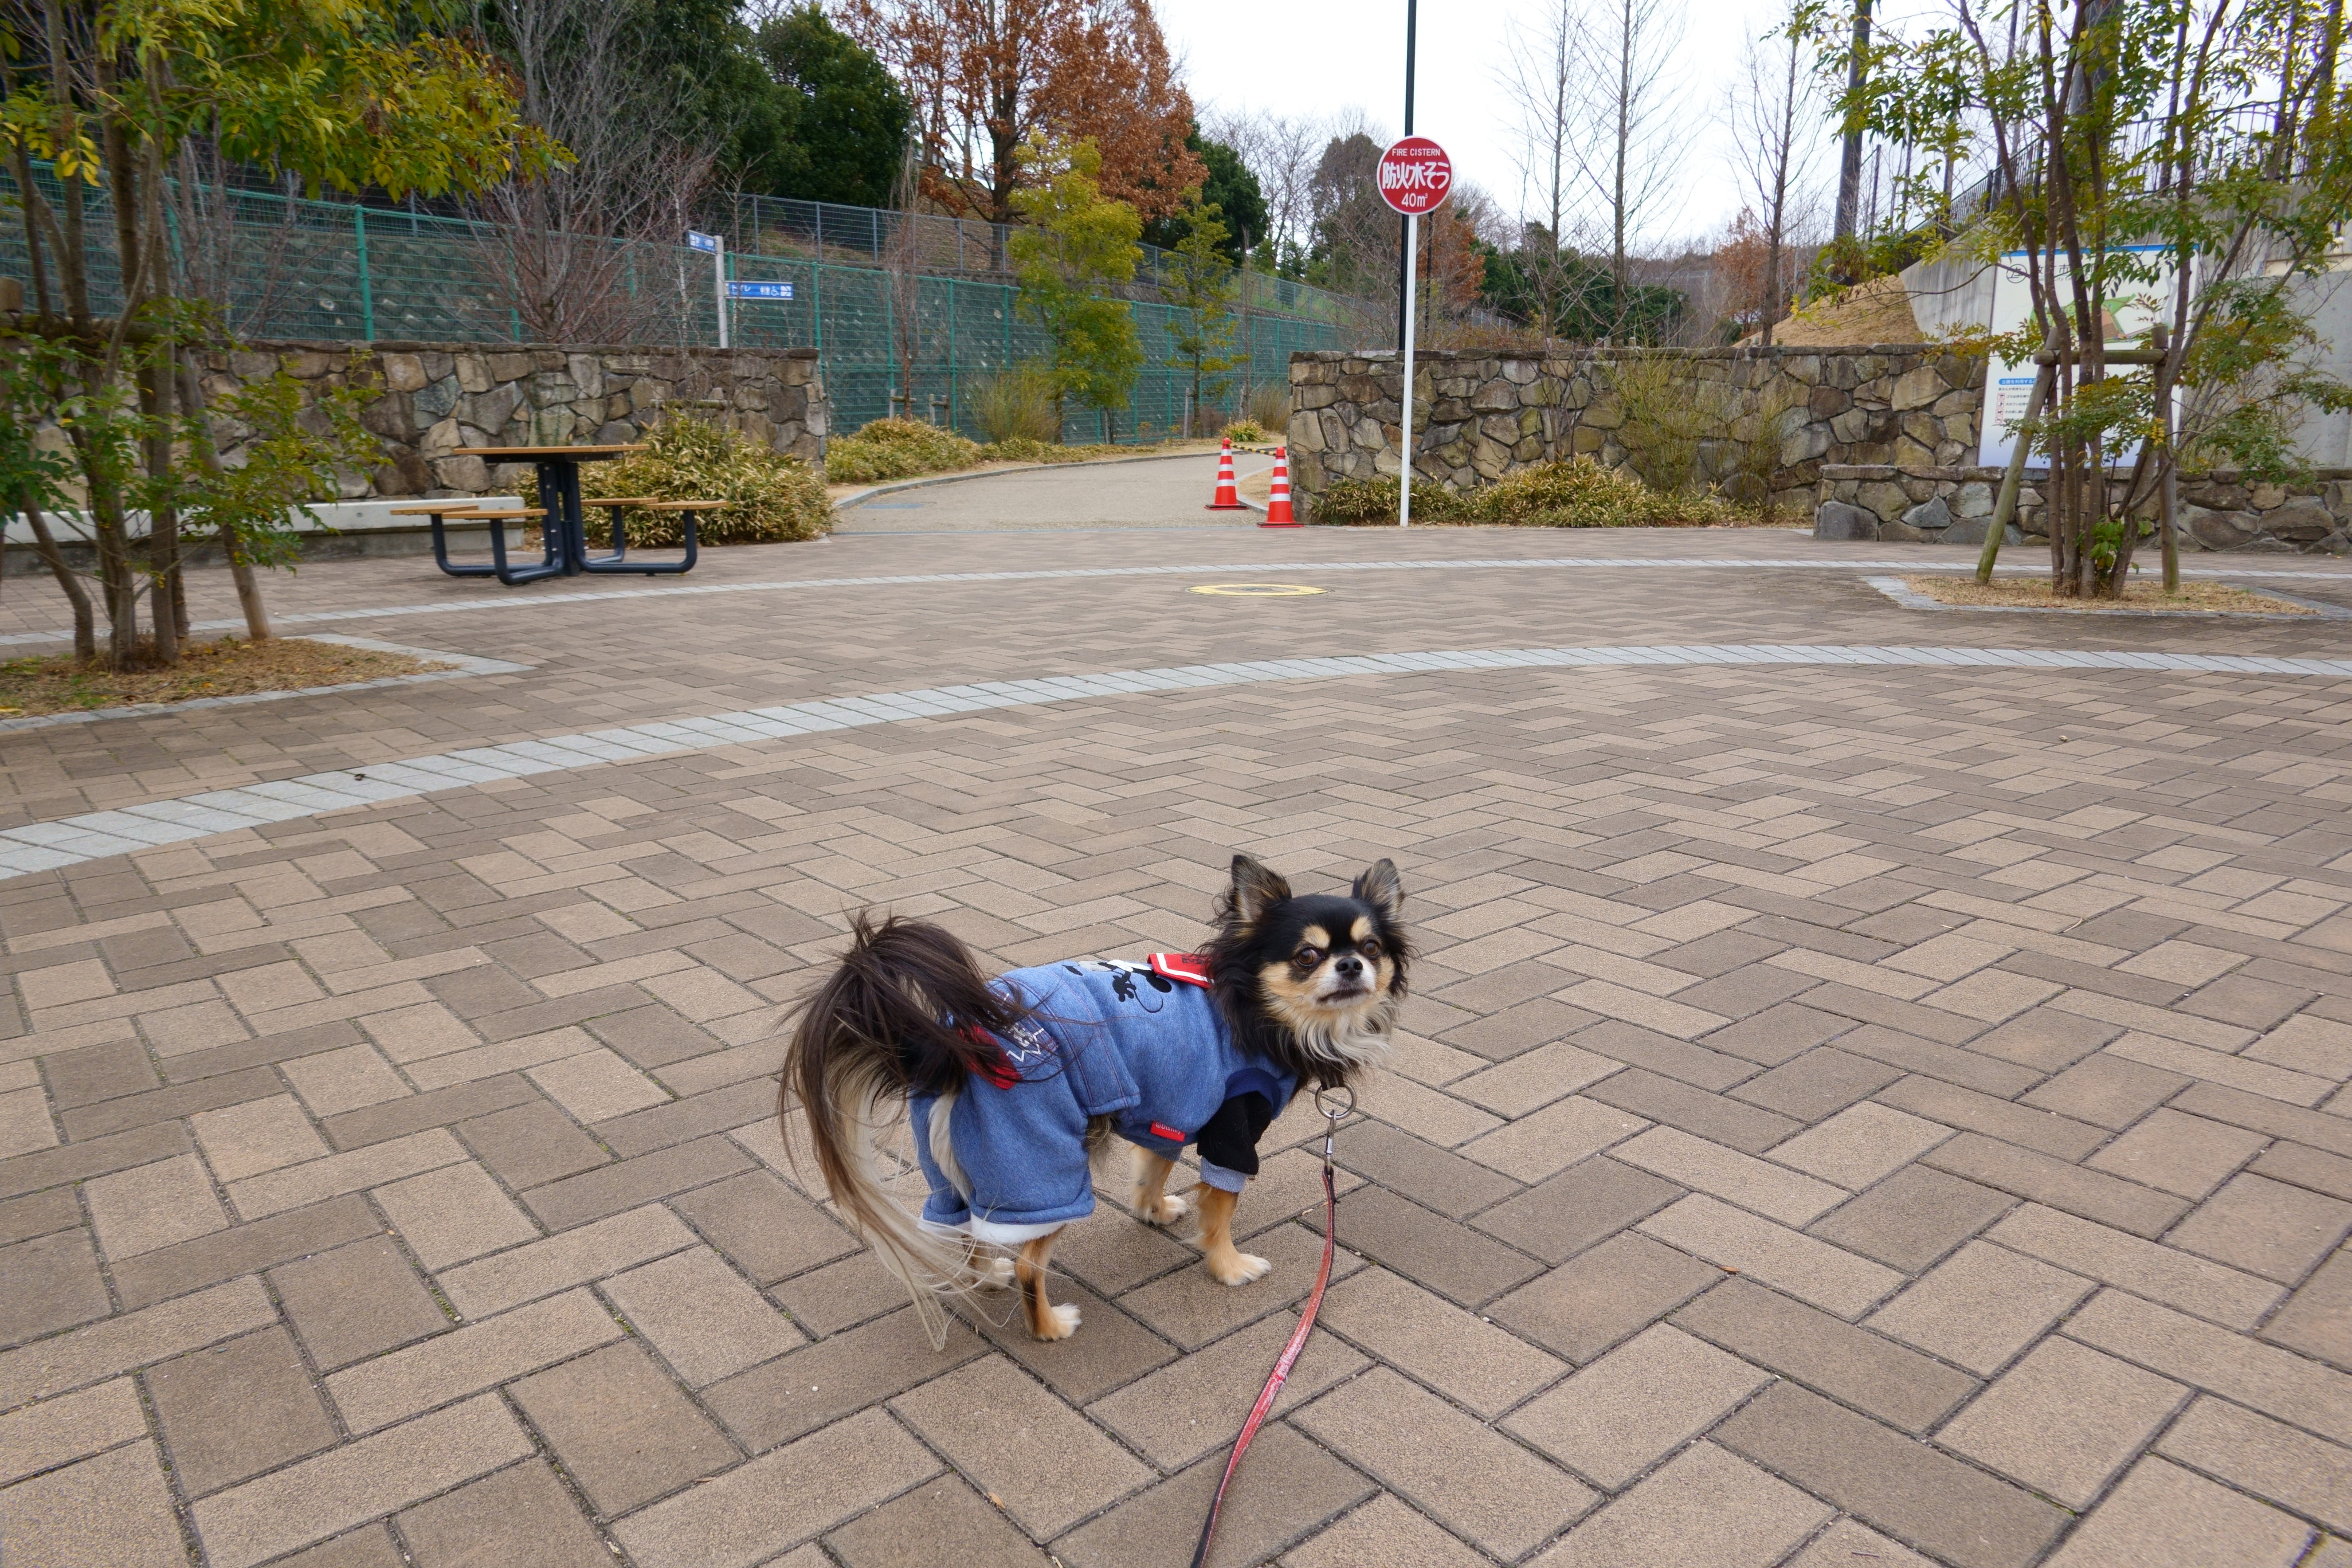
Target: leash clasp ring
{"type": "Point", "coordinates": [1333, 1114]}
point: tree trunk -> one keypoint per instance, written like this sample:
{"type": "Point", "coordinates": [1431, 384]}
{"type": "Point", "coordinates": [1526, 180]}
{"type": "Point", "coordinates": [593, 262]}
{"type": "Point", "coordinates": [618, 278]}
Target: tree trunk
{"type": "Point", "coordinates": [162, 520]}
{"type": "Point", "coordinates": [85, 623]}
{"type": "Point", "coordinates": [200, 440]}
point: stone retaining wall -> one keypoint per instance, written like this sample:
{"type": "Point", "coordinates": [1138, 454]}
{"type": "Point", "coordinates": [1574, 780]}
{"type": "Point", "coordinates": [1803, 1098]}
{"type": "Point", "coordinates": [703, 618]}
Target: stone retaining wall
{"type": "Point", "coordinates": [1479, 416]}
{"type": "Point", "coordinates": [1952, 505]}
{"type": "Point", "coordinates": [437, 397]}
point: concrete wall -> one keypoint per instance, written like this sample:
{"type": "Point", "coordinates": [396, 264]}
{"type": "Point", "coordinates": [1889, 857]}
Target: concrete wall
{"type": "Point", "coordinates": [1479, 416]}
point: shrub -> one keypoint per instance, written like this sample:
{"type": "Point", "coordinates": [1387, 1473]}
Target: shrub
{"type": "Point", "coordinates": [1015, 404]}
{"type": "Point", "coordinates": [896, 449]}
{"type": "Point", "coordinates": [770, 498]}
{"type": "Point", "coordinates": [1579, 494]}
{"type": "Point", "coordinates": [1245, 430]}
{"type": "Point", "coordinates": [1583, 494]}
{"type": "Point", "coordinates": [1370, 501]}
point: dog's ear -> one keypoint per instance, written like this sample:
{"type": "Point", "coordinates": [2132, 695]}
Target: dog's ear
{"type": "Point", "coordinates": [1379, 886]}
{"type": "Point", "coordinates": [1256, 889]}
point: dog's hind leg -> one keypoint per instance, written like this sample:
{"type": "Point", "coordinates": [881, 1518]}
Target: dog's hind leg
{"type": "Point", "coordinates": [1227, 1264]}
{"type": "Point", "coordinates": [1153, 1201]}
{"type": "Point", "coordinates": [993, 1272]}
{"type": "Point", "coordinates": [1046, 1321]}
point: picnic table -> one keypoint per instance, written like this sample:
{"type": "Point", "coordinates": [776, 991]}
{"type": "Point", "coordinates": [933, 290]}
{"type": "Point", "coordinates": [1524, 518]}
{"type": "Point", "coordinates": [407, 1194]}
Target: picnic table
{"type": "Point", "coordinates": [564, 535]}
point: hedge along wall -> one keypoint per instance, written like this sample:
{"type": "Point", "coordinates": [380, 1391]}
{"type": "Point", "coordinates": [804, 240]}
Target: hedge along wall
{"type": "Point", "coordinates": [1479, 416]}
{"type": "Point", "coordinates": [437, 397]}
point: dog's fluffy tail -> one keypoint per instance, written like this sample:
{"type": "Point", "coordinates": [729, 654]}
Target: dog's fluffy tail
{"type": "Point", "coordinates": [903, 1014]}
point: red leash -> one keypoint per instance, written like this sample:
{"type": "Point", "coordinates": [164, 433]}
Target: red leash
{"type": "Point", "coordinates": [1290, 1352]}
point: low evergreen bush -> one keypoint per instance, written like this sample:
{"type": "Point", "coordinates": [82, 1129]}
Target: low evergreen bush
{"type": "Point", "coordinates": [1372, 501]}
{"type": "Point", "coordinates": [1579, 494]}
{"type": "Point", "coordinates": [770, 498]}
{"type": "Point", "coordinates": [889, 449]}
{"type": "Point", "coordinates": [1583, 494]}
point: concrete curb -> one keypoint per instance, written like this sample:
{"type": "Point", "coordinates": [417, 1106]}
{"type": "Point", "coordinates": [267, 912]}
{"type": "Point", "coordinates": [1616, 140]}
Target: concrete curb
{"type": "Point", "coordinates": [861, 497]}
{"type": "Point", "coordinates": [462, 666]}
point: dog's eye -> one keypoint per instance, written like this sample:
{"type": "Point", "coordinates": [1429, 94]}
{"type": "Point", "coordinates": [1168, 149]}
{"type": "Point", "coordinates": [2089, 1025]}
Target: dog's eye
{"type": "Point", "coordinates": [1307, 958]}
{"type": "Point", "coordinates": [1369, 947]}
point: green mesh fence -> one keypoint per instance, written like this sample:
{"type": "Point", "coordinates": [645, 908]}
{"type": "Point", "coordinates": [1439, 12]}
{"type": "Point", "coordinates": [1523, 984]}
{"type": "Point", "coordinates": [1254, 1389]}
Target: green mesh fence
{"type": "Point", "coordinates": [288, 267]}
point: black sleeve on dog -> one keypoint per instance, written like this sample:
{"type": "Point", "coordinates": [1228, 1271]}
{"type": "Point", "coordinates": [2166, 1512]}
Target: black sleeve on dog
{"type": "Point", "coordinates": [1231, 1137]}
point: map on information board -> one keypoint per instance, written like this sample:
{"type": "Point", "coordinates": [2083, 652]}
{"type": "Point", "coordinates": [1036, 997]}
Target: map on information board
{"type": "Point", "coordinates": [2009, 384]}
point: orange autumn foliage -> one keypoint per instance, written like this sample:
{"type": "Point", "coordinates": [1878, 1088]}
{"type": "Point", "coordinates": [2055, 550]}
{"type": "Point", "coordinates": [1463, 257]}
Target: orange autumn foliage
{"type": "Point", "coordinates": [984, 74]}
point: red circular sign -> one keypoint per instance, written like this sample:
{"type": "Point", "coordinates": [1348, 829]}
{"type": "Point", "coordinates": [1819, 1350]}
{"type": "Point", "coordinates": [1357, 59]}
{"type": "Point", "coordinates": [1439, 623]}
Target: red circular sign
{"type": "Point", "coordinates": [1416, 175]}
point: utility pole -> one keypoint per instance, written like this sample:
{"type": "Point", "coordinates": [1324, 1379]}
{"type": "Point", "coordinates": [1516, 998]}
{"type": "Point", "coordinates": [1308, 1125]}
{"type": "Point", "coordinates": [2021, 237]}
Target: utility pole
{"type": "Point", "coordinates": [1405, 225]}
{"type": "Point", "coordinates": [1849, 197]}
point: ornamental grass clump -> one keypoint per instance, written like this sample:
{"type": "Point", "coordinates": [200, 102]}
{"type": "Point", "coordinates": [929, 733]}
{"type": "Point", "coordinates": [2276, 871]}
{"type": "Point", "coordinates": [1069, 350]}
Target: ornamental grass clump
{"type": "Point", "coordinates": [1015, 403]}
{"type": "Point", "coordinates": [770, 498]}
{"type": "Point", "coordinates": [889, 449]}
{"type": "Point", "coordinates": [1244, 430]}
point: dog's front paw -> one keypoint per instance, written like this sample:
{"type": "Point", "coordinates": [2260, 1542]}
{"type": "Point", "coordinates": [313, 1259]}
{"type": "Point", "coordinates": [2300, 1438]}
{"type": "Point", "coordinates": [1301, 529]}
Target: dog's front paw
{"type": "Point", "coordinates": [1167, 1209]}
{"type": "Point", "coordinates": [996, 1274]}
{"type": "Point", "coordinates": [1238, 1268]}
{"type": "Point", "coordinates": [1060, 1323]}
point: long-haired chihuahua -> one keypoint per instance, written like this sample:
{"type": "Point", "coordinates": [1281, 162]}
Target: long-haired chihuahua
{"type": "Point", "coordinates": [1007, 1087]}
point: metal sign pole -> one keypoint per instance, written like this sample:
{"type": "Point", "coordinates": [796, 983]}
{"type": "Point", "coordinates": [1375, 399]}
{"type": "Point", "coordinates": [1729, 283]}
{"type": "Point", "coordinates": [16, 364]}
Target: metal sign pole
{"type": "Point", "coordinates": [1404, 438]}
{"type": "Point", "coordinates": [719, 284]}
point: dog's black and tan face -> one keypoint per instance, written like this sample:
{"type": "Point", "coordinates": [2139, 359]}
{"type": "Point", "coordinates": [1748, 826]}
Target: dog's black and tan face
{"type": "Point", "coordinates": [1329, 971]}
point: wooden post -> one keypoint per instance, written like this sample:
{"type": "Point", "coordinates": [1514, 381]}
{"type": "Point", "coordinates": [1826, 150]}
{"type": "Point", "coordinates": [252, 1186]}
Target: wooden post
{"type": "Point", "coordinates": [2169, 490]}
{"type": "Point", "coordinates": [2014, 475]}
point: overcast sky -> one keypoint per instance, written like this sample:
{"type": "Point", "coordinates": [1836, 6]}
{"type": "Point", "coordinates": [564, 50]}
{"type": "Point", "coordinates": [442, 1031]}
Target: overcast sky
{"type": "Point", "coordinates": [1324, 56]}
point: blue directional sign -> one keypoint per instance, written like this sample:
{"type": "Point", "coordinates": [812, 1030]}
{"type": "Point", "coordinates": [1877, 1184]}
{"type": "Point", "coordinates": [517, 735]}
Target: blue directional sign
{"type": "Point", "coordinates": [700, 241]}
{"type": "Point", "coordinates": [758, 290]}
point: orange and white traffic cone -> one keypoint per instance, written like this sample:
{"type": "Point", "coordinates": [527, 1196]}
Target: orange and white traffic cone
{"type": "Point", "coordinates": [1229, 499]}
{"type": "Point", "coordinates": [1277, 500]}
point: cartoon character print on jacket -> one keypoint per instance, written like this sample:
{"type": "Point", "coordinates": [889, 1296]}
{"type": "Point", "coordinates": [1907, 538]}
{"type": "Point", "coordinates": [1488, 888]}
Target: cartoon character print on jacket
{"type": "Point", "coordinates": [1144, 1044]}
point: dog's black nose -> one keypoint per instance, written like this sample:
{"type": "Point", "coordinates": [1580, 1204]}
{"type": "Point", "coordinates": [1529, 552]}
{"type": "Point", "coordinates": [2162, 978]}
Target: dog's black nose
{"type": "Point", "coordinates": [1348, 965]}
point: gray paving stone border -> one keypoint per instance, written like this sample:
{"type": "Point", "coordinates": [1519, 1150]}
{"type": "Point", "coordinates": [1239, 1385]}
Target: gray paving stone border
{"type": "Point", "coordinates": [92, 835]}
{"type": "Point", "coordinates": [1466, 563]}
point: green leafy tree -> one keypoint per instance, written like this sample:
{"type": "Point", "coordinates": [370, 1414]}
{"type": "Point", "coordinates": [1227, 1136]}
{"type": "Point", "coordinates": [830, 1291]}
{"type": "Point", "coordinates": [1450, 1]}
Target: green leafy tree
{"type": "Point", "coordinates": [347, 93]}
{"type": "Point", "coordinates": [849, 117]}
{"type": "Point", "coordinates": [1581, 291]}
{"type": "Point", "coordinates": [696, 68]}
{"type": "Point", "coordinates": [794, 107]}
{"type": "Point", "coordinates": [1233, 191]}
{"type": "Point", "coordinates": [1073, 246]}
{"type": "Point", "coordinates": [1199, 279]}
{"type": "Point", "coordinates": [2193, 159]}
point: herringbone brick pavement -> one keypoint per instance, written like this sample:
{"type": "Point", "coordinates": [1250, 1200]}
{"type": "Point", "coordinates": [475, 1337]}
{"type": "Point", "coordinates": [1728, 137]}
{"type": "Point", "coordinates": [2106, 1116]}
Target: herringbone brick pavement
{"type": "Point", "coordinates": [1846, 1117]}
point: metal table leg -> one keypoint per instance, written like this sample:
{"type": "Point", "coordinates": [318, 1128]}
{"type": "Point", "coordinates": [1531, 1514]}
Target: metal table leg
{"type": "Point", "coordinates": [550, 559]}
{"type": "Point", "coordinates": [559, 491]}
{"type": "Point", "coordinates": [441, 551]}
{"type": "Point", "coordinates": [617, 563]}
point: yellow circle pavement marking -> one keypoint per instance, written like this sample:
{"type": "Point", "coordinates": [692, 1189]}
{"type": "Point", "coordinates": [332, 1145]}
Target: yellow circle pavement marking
{"type": "Point", "coordinates": [1257, 590]}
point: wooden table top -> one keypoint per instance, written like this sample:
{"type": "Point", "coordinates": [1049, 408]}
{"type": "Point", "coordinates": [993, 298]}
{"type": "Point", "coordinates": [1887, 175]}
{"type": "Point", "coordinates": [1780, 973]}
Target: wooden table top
{"type": "Point", "coordinates": [540, 452]}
